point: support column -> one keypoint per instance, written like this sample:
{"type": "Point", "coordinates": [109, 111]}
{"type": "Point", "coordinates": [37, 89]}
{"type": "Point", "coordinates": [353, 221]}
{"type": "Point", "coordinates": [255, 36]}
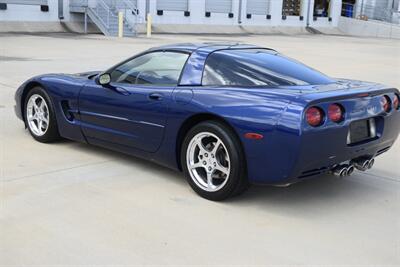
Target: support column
{"type": "Point", "coordinates": [86, 21]}
{"type": "Point", "coordinates": [61, 9]}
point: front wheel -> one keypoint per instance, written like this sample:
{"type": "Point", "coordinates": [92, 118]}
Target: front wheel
{"type": "Point", "coordinates": [40, 117]}
{"type": "Point", "coordinates": [213, 161]}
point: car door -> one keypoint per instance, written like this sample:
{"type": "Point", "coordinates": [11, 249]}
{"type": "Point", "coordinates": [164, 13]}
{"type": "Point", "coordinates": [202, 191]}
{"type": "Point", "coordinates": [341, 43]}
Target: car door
{"type": "Point", "coordinates": [132, 110]}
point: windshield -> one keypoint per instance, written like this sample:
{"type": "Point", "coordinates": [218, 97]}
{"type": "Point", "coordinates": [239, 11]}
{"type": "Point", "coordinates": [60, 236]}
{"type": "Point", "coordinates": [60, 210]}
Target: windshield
{"type": "Point", "coordinates": [258, 67]}
{"type": "Point", "coordinates": [155, 68]}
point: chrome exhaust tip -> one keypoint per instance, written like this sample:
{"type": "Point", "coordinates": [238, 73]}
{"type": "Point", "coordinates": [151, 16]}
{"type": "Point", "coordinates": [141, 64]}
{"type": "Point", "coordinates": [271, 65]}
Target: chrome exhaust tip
{"type": "Point", "coordinates": [343, 170]}
{"type": "Point", "coordinates": [340, 171]}
{"type": "Point", "coordinates": [365, 164]}
{"type": "Point", "coordinates": [371, 163]}
{"type": "Point", "coordinates": [361, 164]}
{"type": "Point", "coordinates": [350, 170]}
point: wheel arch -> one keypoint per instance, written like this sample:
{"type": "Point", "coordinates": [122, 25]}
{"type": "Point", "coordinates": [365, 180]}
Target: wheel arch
{"type": "Point", "coordinates": [29, 86]}
{"type": "Point", "coordinates": [194, 120]}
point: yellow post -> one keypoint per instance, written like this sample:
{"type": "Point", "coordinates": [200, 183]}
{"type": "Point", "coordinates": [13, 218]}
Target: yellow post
{"type": "Point", "coordinates": [148, 25]}
{"type": "Point", "coordinates": [120, 24]}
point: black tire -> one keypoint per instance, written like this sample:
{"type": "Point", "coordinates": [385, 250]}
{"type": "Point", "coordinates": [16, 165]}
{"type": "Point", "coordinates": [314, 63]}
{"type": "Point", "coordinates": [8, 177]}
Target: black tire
{"type": "Point", "coordinates": [51, 134]}
{"type": "Point", "coordinates": [237, 181]}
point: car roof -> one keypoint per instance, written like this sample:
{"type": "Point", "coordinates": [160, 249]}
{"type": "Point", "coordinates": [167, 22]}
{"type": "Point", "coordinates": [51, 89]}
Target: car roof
{"type": "Point", "coordinates": [193, 69]}
{"type": "Point", "coordinates": [208, 46]}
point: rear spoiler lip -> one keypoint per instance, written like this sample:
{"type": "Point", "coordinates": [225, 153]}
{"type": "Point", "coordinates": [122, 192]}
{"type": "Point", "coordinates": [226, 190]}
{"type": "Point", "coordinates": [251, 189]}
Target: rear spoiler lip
{"type": "Point", "coordinates": [369, 91]}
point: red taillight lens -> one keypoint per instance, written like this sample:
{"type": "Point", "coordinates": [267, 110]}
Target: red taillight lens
{"type": "Point", "coordinates": [396, 101]}
{"type": "Point", "coordinates": [314, 116]}
{"type": "Point", "coordinates": [385, 102]}
{"type": "Point", "coordinates": [336, 112]}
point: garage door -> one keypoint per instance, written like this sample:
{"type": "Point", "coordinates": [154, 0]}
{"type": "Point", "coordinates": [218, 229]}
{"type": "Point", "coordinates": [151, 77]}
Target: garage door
{"type": "Point", "coordinates": [25, 2]}
{"type": "Point", "coordinates": [173, 5]}
{"type": "Point", "coordinates": [379, 10]}
{"type": "Point", "coordinates": [219, 6]}
{"type": "Point", "coordinates": [258, 7]}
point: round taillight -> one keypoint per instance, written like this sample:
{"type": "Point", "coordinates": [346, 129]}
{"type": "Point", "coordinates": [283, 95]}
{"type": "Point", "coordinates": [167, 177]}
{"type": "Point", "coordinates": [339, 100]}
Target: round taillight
{"type": "Point", "coordinates": [314, 116]}
{"type": "Point", "coordinates": [336, 113]}
{"type": "Point", "coordinates": [385, 102]}
{"type": "Point", "coordinates": [396, 101]}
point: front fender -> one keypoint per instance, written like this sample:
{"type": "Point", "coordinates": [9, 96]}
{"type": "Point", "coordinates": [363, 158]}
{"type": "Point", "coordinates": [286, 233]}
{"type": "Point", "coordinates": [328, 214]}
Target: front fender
{"type": "Point", "coordinates": [22, 91]}
{"type": "Point", "coordinates": [61, 88]}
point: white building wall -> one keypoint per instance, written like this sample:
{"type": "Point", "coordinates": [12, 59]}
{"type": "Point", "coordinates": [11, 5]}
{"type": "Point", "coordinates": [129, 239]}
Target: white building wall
{"type": "Point", "coordinates": [197, 14]}
{"type": "Point", "coordinates": [34, 14]}
{"type": "Point", "coordinates": [30, 12]}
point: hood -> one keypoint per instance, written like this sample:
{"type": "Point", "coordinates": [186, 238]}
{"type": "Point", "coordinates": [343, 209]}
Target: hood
{"type": "Point", "coordinates": [86, 74]}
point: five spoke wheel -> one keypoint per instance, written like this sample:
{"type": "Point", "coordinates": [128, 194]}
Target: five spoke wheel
{"type": "Point", "coordinates": [208, 161]}
{"type": "Point", "coordinates": [37, 114]}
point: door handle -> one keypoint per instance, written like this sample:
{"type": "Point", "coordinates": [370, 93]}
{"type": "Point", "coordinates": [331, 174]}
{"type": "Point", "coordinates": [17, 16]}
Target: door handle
{"type": "Point", "coordinates": [155, 96]}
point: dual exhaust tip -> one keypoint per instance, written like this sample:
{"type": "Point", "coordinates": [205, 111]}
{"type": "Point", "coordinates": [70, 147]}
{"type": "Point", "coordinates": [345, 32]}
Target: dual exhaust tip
{"type": "Point", "coordinates": [361, 164]}
{"type": "Point", "coordinates": [343, 170]}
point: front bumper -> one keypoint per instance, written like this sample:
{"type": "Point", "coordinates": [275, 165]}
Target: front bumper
{"type": "Point", "coordinates": [18, 104]}
{"type": "Point", "coordinates": [18, 112]}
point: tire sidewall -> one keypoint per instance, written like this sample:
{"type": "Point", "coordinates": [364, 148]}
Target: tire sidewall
{"type": "Point", "coordinates": [237, 164]}
{"type": "Point", "coordinates": [52, 130]}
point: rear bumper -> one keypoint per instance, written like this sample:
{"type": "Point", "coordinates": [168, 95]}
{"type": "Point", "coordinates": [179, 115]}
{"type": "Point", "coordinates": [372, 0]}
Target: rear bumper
{"type": "Point", "coordinates": [326, 161]}
{"type": "Point", "coordinates": [313, 153]}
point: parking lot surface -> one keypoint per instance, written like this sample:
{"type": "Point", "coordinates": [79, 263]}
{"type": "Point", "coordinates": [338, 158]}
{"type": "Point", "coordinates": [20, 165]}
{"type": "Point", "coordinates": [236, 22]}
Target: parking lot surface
{"type": "Point", "coordinates": [70, 203]}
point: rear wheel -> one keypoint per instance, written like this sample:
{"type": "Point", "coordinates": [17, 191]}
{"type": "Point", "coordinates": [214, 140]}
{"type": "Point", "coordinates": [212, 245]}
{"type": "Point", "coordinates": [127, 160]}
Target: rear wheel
{"type": "Point", "coordinates": [213, 161]}
{"type": "Point", "coordinates": [40, 117]}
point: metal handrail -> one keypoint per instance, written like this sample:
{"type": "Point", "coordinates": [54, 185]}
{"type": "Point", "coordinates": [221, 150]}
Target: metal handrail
{"type": "Point", "coordinates": [106, 13]}
{"type": "Point", "coordinates": [130, 5]}
{"type": "Point", "coordinates": [100, 4]}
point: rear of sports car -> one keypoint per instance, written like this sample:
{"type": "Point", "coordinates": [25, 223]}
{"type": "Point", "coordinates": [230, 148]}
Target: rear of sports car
{"type": "Point", "coordinates": [344, 129]}
{"type": "Point", "coordinates": [296, 123]}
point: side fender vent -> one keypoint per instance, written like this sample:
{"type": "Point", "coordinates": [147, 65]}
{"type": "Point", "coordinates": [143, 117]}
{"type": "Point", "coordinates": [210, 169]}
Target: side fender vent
{"type": "Point", "coordinates": [69, 115]}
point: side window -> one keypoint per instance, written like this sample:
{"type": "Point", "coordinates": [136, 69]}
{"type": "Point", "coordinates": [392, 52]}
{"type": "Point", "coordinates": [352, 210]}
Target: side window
{"type": "Point", "coordinates": [157, 68]}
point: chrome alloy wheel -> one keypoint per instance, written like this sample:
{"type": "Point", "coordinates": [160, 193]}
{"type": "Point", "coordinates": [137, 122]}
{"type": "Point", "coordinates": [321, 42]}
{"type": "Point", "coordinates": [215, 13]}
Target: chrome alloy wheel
{"type": "Point", "coordinates": [208, 161]}
{"type": "Point", "coordinates": [37, 115]}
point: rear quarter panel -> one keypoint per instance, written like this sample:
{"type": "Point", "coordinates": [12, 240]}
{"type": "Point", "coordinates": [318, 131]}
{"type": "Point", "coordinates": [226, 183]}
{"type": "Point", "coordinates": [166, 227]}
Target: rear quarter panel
{"type": "Point", "coordinates": [290, 146]}
{"type": "Point", "coordinates": [244, 109]}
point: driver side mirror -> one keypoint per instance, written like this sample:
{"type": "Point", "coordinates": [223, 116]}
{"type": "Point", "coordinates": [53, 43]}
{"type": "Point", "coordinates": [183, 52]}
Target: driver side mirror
{"type": "Point", "coordinates": [104, 79]}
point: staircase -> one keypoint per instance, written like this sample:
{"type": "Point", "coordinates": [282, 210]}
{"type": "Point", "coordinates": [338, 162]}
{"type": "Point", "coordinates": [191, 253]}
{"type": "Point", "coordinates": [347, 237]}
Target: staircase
{"type": "Point", "coordinates": [104, 13]}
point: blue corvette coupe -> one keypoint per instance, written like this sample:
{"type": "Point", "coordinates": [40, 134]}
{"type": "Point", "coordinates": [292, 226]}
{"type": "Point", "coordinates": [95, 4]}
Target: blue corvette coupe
{"type": "Point", "coordinates": [227, 115]}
